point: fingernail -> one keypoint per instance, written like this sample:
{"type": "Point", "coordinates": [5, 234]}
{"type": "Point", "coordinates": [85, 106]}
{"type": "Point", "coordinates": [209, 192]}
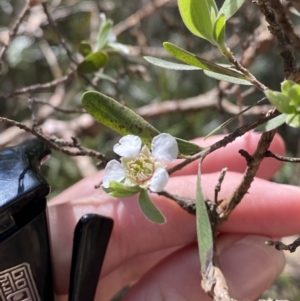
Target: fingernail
{"type": "Point", "coordinates": [250, 266]}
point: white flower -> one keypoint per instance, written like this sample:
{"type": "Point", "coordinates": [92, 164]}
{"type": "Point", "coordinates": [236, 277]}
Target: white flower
{"type": "Point", "coordinates": [139, 166]}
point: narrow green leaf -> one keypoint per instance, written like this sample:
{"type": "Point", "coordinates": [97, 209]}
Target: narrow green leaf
{"type": "Point", "coordinates": [271, 124]}
{"type": "Point", "coordinates": [118, 117]}
{"type": "Point", "coordinates": [93, 62]}
{"type": "Point", "coordinates": [227, 122]}
{"type": "Point", "coordinates": [104, 32]}
{"type": "Point", "coordinates": [226, 78]}
{"type": "Point", "coordinates": [149, 209]}
{"type": "Point", "coordinates": [124, 121]}
{"type": "Point", "coordinates": [85, 48]}
{"type": "Point", "coordinates": [104, 76]}
{"type": "Point", "coordinates": [230, 7]}
{"type": "Point", "coordinates": [199, 16]}
{"type": "Point", "coordinates": [187, 148]}
{"type": "Point", "coordinates": [191, 59]}
{"type": "Point", "coordinates": [118, 194]}
{"type": "Point", "coordinates": [219, 31]}
{"type": "Point", "coordinates": [123, 188]}
{"type": "Point", "coordinates": [169, 65]}
{"type": "Point", "coordinates": [204, 230]}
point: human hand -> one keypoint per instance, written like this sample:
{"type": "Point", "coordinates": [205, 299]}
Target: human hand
{"type": "Point", "coordinates": [162, 260]}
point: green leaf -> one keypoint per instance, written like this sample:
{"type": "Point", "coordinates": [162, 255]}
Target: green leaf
{"type": "Point", "coordinates": [199, 16]}
{"type": "Point", "coordinates": [119, 190]}
{"type": "Point", "coordinates": [191, 59]}
{"type": "Point", "coordinates": [124, 121]}
{"type": "Point", "coordinates": [227, 122]}
{"type": "Point", "coordinates": [169, 65]}
{"type": "Point", "coordinates": [219, 31]}
{"type": "Point", "coordinates": [226, 78]}
{"type": "Point", "coordinates": [293, 120]}
{"type": "Point", "coordinates": [118, 117]}
{"type": "Point", "coordinates": [93, 62]}
{"type": "Point", "coordinates": [294, 95]}
{"type": "Point", "coordinates": [104, 32]}
{"type": "Point", "coordinates": [230, 7]}
{"type": "Point", "coordinates": [149, 209]}
{"type": "Point", "coordinates": [204, 230]}
{"type": "Point", "coordinates": [104, 76]}
{"type": "Point", "coordinates": [271, 124]}
{"type": "Point", "coordinates": [85, 48]}
{"type": "Point", "coordinates": [286, 86]}
{"type": "Point", "coordinates": [187, 148]}
{"type": "Point", "coordinates": [280, 101]}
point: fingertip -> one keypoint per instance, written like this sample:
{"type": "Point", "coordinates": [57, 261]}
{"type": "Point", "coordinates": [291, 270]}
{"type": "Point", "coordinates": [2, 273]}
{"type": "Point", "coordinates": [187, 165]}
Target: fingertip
{"type": "Point", "coordinates": [230, 158]}
{"type": "Point", "coordinates": [249, 265]}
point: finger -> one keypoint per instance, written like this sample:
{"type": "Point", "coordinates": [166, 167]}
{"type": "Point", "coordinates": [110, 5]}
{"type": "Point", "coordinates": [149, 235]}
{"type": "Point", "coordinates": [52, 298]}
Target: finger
{"type": "Point", "coordinates": [269, 209]}
{"type": "Point", "coordinates": [249, 267]}
{"type": "Point", "coordinates": [214, 162]}
{"type": "Point", "coordinates": [131, 229]}
{"type": "Point", "coordinates": [129, 272]}
{"type": "Point", "coordinates": [229, 156]}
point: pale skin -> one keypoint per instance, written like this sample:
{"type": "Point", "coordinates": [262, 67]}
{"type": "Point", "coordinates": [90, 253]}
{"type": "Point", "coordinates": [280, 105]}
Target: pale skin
{"type": "Point", "coordinates": [162, 260]}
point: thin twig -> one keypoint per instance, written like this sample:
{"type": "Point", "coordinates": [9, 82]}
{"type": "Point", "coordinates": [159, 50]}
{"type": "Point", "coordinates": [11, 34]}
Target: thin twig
{"type": "Point", "coordinates": [226, 140]}
{"type": "Point", "coordinates": [15, 28]}
{"type": "Point", "coordinates": [227, 205]}
{"type": "Point", "coordinates": [245, 71]}
{"type": "Point", "coordinates": [277, 30]}
{"type": "Point", "coordinates": [58, 34]}
{"type": "Point", "coordinates": [67, 111]}
{"type": "Point", "coordinates": [187, 204]}
{"type": "Point", "coordinates": [281, 246]}
{"type": "Point", "coordinates": [38, 87]}
{"type": "Point", "coordinates": [219, 183]}
{"type": "Point", "coordinates": [54, 143]}
{"type": "Point", "coordinates": [208, 100]}
{"type": "Point", "coordinates": [269, 154]}
{"type": "Point", "coordinates": [135, 18]}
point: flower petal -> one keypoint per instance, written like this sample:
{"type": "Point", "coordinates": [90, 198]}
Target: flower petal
{"type": "Point", "coordinates": [128, 146]}
{"type": "Point", "coordinates": [158, 180]}
{"type": "Point", "coordinates": [113, 172]}
{"type": "Point", "coordinates": [164, 146]}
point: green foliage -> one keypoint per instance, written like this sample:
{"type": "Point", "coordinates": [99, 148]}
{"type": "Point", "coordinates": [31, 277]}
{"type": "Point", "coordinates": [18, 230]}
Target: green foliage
{"type": "Point", "coordinates": [199, 16]}
{"type": "Point", "coordinates": [204, 20]}
{"type": "Point", "coordinates": [124, 121]}
{"type": "Point", "coordinates": [118, 117]}
{"type": "Point", "coordinates": [119, 190]}
{"type": "Point", "coordinates": [287, 102]}
{"type": "Point", "coordinates": [219, 31]}
{"type": "Point", "coordinates": [105, 31]}
{"type": "Point", "coordinates": [149, 209]}
{"type": "Point", "coordinates": [204, 230]}
{"type": "Point", "coordinates": [230, 7]}
{"type": "Point", "coordinates": [85, 48]}
{"type": "Point", "coordinates": [224, 73]}
{"type": "Point", "coordinates": [92, 62]}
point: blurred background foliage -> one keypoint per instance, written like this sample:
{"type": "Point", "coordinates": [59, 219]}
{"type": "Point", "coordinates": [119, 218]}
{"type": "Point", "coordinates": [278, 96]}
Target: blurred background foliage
{"type": "Point", "coordinates": [36, 56]}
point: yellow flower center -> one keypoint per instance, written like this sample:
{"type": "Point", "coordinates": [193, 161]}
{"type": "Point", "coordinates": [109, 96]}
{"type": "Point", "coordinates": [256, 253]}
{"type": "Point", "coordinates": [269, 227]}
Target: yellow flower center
{"type": "Point", "coordinates": [141, 168]}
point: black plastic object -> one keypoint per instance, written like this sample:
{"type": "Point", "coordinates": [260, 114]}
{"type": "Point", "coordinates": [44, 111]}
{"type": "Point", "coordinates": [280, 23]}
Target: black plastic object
{"type": "Point", "coordinates": [25, 262]}
{"type": "Point", "coordinates": [91, 238]}
{"type": "Point", "coordinates": [25, 259]}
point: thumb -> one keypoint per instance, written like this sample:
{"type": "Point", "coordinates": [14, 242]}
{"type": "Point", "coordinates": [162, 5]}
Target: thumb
{"type": "Point", "coordinates": [249, 267]}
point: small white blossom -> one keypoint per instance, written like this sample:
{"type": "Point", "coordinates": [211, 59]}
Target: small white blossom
{"type": "Point", "coordinates": [139, 166]}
